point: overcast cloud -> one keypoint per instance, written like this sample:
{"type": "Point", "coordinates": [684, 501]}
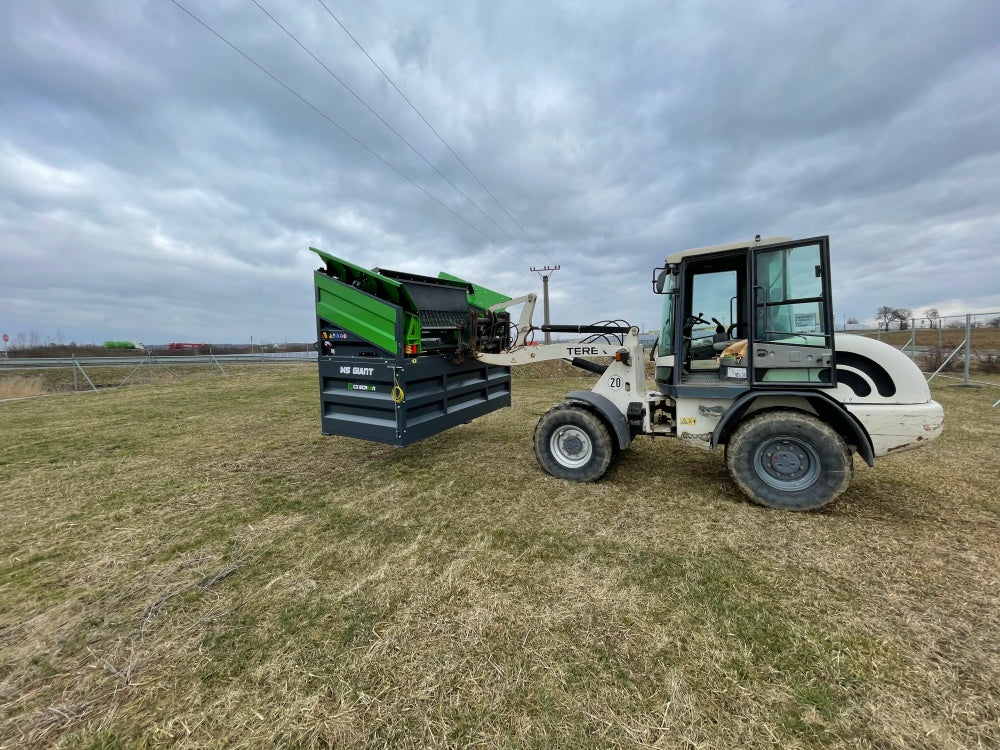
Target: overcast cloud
{"type": "Point", "coordinates": [155, 185]}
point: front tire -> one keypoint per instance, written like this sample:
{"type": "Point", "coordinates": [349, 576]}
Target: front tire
{"type": "Point", "coordinates": [573, 443]}
{"type": "Point", "coordinates": [789, 460]}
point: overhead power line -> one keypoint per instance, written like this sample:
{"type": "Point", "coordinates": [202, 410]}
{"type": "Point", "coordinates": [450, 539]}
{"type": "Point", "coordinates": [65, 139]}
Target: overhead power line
{"type": "Point", "coordinates": [381, 119]}
{"type": "Point", "coordinates": [431, 127]}
{"type": "Point", "coordinates": [341, 128]}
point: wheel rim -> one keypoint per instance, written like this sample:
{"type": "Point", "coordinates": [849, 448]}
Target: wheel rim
{"type": "Point", "coordinates": [571, 446]}
{"type": "Point", "coordinates": [787, 463]}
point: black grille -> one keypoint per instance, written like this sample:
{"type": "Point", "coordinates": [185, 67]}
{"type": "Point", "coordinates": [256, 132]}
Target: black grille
{"type": "Point", "coordinates": [437, 319]}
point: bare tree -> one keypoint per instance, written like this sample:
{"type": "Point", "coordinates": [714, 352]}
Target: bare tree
{"type": "Point", "coordinates": [883, 316]}
{"type": "Point", "coordinates": [932, 315]}
{"type": "Point", "coordinates": [903, 315]}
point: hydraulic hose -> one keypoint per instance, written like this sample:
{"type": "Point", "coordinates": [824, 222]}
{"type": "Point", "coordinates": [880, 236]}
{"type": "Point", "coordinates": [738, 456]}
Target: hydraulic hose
{"type": "Point", "coordinates": [586, 364]}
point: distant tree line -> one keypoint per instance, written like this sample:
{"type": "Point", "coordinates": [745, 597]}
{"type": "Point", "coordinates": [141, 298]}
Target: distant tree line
{"type": "Point", "coordinates": [33, 340]}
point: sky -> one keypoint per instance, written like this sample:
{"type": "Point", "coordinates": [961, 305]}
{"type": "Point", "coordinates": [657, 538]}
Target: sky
{"type": "Point", "coordinates": [163, 182]}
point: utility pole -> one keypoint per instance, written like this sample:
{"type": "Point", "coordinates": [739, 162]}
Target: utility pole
{"type": "Point", "coordinates": [545, 272]}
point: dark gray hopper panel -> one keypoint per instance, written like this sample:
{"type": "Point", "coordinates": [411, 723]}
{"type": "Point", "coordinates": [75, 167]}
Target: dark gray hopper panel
{"type": "Point", "coordinates": [398, 402]}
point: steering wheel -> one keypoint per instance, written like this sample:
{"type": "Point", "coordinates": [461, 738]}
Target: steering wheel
{"type": "Point", "coordinates": [692, 319]}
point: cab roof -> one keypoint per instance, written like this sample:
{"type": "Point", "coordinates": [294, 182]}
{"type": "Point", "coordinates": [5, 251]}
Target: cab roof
{"type": "Point", "coordinates": [681, 255]}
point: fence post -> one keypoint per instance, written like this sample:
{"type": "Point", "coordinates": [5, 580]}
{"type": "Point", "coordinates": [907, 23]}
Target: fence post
{"type": "Point", "coordinates": [218, 365]}
{"type": "Point", "coordinates": [913, 338]}
{"type": "Point", "coordinates": [968, 346]}
{"type": "Point", "coordinates": [78, 366]}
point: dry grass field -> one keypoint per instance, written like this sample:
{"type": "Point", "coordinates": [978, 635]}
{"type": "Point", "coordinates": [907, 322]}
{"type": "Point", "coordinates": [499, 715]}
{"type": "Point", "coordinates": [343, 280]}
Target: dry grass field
{"type": "Point", "coordinates": [193, 565]}
{"type": "Point", "coordinates": [984, 339]}
{"type": "Point", "coordinates": [19, 386]}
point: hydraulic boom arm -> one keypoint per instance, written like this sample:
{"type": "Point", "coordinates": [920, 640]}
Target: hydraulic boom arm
{"type": "Point", "coordinates": [521, 353]}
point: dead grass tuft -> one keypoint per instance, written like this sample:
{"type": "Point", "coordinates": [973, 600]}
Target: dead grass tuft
{"type": "Point", "coordinates": [20, 387]}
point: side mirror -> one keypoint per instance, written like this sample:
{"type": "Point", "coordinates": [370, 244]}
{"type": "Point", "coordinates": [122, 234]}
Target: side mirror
{"type": "Point", "coordinates": [659, 279]}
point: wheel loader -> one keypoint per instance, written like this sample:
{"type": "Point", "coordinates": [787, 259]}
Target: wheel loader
{"type": "Point", "coordinates": [746, 359]}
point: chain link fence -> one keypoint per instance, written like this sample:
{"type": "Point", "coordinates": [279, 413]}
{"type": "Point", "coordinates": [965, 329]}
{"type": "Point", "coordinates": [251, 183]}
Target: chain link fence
{"type": "Point", "coordinates": [28, 377]}
{"type": "Point", "coordinates": [958, 347]}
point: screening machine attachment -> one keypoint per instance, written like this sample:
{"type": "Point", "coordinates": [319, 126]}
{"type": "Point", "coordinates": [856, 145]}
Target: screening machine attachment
{"type": "Point", "coordinates": [393, 346]}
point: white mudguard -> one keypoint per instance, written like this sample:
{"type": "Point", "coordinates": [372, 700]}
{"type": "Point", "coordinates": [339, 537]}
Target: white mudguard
{"type": "Point", "coordinates": [898, 427]}
{"type": "Point", "coordinates": [899, 420]}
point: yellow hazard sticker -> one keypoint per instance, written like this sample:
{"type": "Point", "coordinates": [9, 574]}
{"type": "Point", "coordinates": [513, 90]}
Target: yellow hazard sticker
{"type": "Point", "coordinates": [689, 420]}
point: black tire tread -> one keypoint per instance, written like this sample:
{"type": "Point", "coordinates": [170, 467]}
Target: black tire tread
{"type": "Point", "coordinates": [604, 448]}
{"type": "Point", "coordinates": [837, 466]}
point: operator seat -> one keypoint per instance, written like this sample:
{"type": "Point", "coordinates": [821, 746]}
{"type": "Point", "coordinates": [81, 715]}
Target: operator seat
{"type": "Point", "coordinates": [736, 349]}
{"type": "Point", "coordinates": [721, 341]}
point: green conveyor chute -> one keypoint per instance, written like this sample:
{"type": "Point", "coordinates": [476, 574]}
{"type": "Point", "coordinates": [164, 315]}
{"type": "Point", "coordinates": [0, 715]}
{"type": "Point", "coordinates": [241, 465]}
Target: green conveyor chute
{"type": "Point", "coordinates": [395, 311]}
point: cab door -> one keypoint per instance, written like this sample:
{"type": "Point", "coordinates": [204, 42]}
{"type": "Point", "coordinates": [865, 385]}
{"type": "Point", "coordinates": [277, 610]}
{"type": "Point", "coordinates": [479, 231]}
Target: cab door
{"type": "Point", "coordinates": [792, 336]}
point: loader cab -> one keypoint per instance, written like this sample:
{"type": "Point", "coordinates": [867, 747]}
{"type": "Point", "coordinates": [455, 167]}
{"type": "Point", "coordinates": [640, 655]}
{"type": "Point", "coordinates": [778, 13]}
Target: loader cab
{"type": "Point", "coordinates": [745, 315]}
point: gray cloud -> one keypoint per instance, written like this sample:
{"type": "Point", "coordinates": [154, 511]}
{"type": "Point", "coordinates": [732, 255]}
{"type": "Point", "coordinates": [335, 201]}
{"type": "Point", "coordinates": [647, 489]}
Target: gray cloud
{"type": "Point", "coordinates": [156, 185]}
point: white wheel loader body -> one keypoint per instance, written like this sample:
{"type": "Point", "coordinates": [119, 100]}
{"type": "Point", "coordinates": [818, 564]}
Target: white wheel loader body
{"type": "Point", "coordinates": [824, 396]}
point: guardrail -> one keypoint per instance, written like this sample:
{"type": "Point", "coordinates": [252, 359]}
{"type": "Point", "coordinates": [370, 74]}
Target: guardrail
{"type": "Point", "coordinates": [35, 363]}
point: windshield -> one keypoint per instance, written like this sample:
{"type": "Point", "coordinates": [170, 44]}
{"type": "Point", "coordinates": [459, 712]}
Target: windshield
{"type": "Point", "coordinates": [711, 295]}
{"type": "Point", "coordinates": [666, 346]}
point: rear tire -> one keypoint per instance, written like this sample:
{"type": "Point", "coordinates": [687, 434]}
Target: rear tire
{"type": "Point", "coordinates": [573, 443]}
{"type": "Point", "coordinates": [789, 460]}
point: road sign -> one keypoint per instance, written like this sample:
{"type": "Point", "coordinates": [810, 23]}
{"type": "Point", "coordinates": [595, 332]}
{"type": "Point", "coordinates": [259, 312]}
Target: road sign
{"type": "Point", "coordinates": [6, 338]}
